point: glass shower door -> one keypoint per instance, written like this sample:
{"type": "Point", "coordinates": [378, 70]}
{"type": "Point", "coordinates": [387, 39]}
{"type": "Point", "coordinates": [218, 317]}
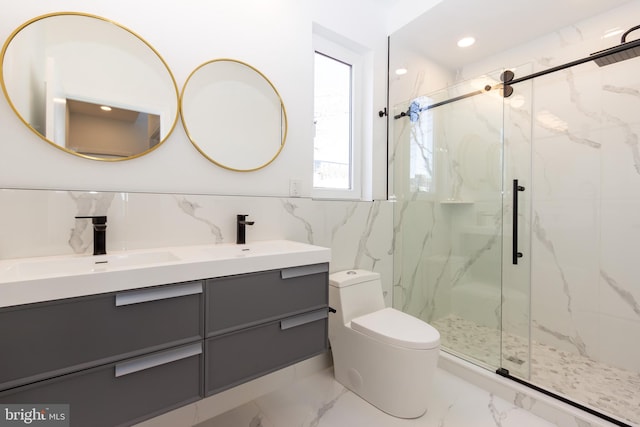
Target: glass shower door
{"type": "Point", "coordinates": [517, 254]}
{"type": "Point", "coordinates": [584, 210]}
{"type": "Point", "coordinates": [448, 183]}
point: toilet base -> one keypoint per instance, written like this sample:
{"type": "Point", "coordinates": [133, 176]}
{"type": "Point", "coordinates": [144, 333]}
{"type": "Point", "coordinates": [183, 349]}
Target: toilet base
{"type": "Point", "coordinates": [393, 379]}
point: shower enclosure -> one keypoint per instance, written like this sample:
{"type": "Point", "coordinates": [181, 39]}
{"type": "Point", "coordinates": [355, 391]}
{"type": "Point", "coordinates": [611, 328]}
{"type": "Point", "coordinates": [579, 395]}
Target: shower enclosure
{"type": "Point", "coordinates": [517, 212]}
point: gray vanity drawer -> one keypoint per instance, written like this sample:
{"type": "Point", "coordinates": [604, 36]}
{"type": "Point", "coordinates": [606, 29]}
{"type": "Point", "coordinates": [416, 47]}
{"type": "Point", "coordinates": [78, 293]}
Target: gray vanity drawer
{"type": "Point", "coordinates": [54, 338]}
{"type": "Point", "coordinates": [240, 356]}
{"type": "Point", "coordinates": [123, 393]}
{"type": "Point", "coordinates": [235, 302]}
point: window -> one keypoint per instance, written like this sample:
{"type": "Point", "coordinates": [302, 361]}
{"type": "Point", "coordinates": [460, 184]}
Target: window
{"type": "Point", "coordinates": [337, 155]}
{"type": "Point", "coordinates": [332, 120]}
{"type": "Point", "coordinates": [421, 146]}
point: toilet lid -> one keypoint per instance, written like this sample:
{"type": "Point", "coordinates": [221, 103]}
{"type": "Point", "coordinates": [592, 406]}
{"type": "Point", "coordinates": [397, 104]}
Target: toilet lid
{"type": "Point", "coordinates": [400, 329]}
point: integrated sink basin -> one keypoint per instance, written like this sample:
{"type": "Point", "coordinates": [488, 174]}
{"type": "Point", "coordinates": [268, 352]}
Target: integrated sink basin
{"type": "Point", "coordinates": [269, 247]}
{"type": "Point", "coordinates": [71, 265]}
{"type": "Point", "coordinates": [29, 280]}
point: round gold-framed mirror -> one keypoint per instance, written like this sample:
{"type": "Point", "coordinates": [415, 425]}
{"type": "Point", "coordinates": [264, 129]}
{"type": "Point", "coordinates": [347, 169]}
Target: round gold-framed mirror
{"type": "Point", "coordinates": [233, 115]}
{"type": "Point", "coordinates": [89, 86]}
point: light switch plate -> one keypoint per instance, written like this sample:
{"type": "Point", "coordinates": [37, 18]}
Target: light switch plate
{"type": "Point", "coordinates": [295, 187]}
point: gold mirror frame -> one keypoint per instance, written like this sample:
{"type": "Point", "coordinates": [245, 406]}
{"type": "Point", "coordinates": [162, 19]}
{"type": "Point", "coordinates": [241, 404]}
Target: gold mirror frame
{"type": "Point", "coordinates": [199, 146]}
{"type": "Point", "coordinates": [162, 65]}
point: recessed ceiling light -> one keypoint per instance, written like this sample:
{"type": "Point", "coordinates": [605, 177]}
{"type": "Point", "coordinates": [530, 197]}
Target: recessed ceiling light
{"type": "Point", "coordinates": [105, 108]}
{"type": "Point", "coordinates": [466, 41]}
{"type": "Point", "coordinates": [401, 71]}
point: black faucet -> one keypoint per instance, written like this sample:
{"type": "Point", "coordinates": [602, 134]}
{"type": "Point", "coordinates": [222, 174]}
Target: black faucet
{"type": "Point", "coordinates": [99, 233]}
{"type": "Point", "coordinates": [242, 223]}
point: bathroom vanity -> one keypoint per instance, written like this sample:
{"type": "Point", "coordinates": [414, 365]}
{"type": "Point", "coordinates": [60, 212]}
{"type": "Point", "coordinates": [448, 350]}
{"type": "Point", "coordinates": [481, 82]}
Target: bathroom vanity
{"type": "Point", "coordinates": [200, 322]}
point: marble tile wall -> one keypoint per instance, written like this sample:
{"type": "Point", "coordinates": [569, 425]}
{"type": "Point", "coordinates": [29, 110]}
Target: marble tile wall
{"type": "Point", "coordinates": [449, 257]}
{"type": "Point", "coordinates": [571, 138]}
{"type": "Point", "coordinates": [585, 183]}
{"type": "Point", "coordinates": [585, 214]}
{"type": "Point", "coordinates": [42, 223]}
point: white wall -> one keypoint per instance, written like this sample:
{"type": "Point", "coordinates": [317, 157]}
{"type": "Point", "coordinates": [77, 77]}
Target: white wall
{"type": "Point", "coordinates": [402, 12]}
{"type": "Point", "coordinates": [274, 36]}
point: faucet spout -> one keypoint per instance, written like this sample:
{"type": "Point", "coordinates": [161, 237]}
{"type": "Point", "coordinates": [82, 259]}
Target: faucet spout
{"type": "Point", "coordinates": [99, 233]}
{"type": "Point", "coordinates": [241, 234]}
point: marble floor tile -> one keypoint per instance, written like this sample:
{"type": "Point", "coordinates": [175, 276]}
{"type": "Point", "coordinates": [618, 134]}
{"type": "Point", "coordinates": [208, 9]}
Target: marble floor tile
{"type": "Point", "coordinates": [320, 401]}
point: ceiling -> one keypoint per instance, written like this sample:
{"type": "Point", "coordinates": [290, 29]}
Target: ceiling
{"type": "Point", "coordinates": [89, 109]}
{"type": "Point", "coordinates": [497, 25]}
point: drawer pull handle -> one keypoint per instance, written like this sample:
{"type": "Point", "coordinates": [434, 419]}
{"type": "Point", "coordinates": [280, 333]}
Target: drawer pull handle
{"type": "Point", "coordinates": [155, 294]}
{"type": "Point", "coordinates": [303, 319]}
{"type": "Point", "coordinates": [154, 360]}
{"type": "Point", "coordinates": [304, 270]}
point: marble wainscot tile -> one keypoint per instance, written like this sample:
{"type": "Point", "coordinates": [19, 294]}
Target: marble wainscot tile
{"type": "Point", "coordinates": [358, 233]}
{"type": "Point", "coordinates": [361, 238]}
{"type": "Point", "coordinates": [304, 222]}
{"type": "Point", "coordinates": [29, 227]}
{"type": "Point", "coordinates": [42, 222]}
{"type": "Point", "coordinates": [39, 223]}
{"type": "Point", "coordinates": [422, 255]}
{"type": "Point", "coordinates": [89, 203]}
{"type": "Point", "coordinates": [156, 220]}
{"type": "Point", "coordinates": [199, 219]}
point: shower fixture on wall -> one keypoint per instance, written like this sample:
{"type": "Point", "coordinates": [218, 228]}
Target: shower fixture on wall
{"type": "Point", "coordinates": [625, 50]}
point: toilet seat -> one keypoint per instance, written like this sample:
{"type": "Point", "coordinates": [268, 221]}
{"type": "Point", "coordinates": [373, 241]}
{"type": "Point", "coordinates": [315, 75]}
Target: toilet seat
{"type": "Point", "coordinates": [400, 329]}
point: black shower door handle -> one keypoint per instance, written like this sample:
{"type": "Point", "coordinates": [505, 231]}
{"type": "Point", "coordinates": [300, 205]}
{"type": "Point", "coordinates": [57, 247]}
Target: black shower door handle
{"type": "Point", "coordinates": [515, 254]}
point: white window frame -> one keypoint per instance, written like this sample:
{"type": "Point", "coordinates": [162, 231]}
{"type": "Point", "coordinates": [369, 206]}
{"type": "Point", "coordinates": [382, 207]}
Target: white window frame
{"type": "Point", "coordinates": [340, 52]}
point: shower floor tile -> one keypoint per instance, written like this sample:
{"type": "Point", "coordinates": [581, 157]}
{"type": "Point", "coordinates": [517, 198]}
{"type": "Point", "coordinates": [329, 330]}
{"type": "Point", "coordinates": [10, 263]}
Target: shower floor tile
{"type": "Point", "coordinates": [605, 388]}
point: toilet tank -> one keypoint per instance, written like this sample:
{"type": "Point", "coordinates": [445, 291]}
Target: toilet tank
{"type": "Point", "coordinates": [355, 293]}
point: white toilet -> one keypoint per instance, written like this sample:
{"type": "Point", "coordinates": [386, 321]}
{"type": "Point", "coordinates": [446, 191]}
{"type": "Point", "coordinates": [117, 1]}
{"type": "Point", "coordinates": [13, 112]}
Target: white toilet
{"type": "Point", "coordinates": [385, 356]}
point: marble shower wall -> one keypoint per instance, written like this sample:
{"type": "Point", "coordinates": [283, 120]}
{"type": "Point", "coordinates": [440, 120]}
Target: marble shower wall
{"type": "Point", "coordinates": [586, 205]}
{"type": "Point", "coordinates": [583, 169]}
{"type": "Point", "coordinates": [41, 223]}
{"type": "Point", "coordinates": [572, 140]}
{"type": "Point", "coordinates": [448, 224]}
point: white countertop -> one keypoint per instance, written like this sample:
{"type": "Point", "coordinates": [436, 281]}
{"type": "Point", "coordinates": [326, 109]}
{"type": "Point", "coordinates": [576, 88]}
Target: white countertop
{"type": "Point", "coordinates": [30, 280]}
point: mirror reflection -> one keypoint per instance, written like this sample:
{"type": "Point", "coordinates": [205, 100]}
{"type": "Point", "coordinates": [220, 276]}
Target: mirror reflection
{"type": "Point", "coordinates": [233, 115]}
{"type": "Point", "coordinates": [89, 86]}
